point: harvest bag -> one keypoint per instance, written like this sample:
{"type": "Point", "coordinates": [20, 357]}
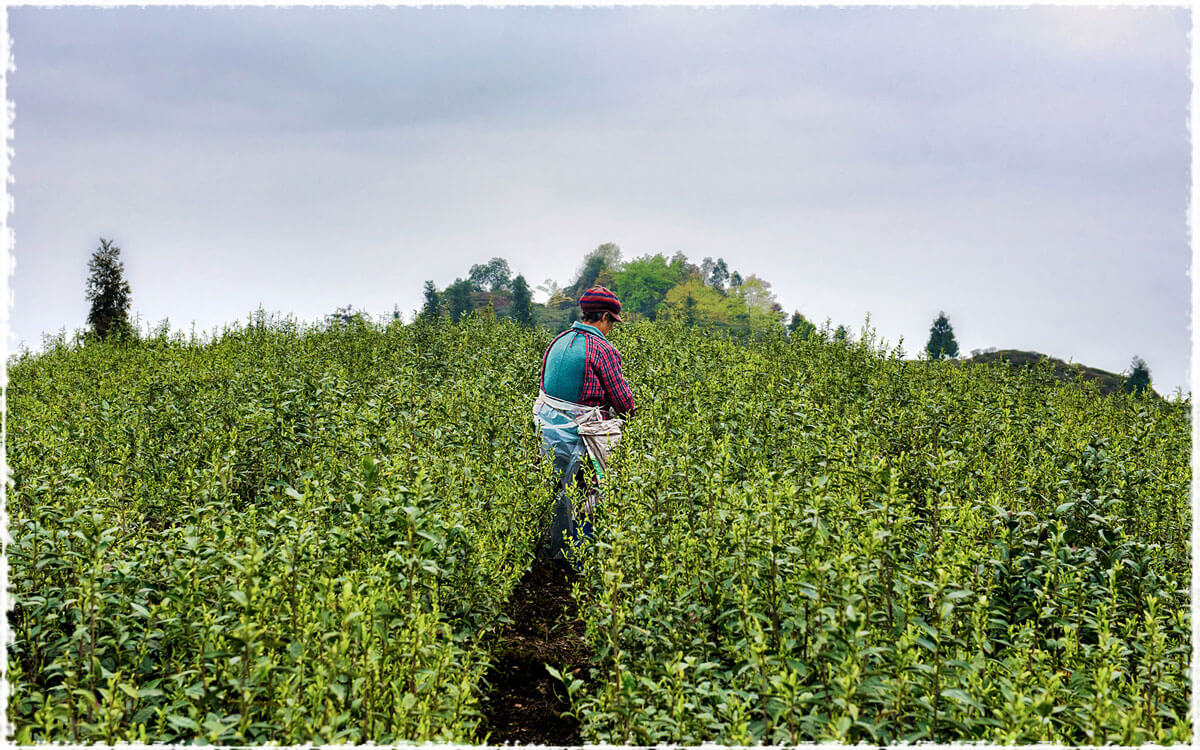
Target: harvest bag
{"type": "Point", "coordinates": [570, 432]}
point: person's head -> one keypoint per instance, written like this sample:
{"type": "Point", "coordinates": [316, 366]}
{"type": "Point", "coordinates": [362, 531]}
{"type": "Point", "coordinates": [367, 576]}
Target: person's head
{"type": "Point", "coordinates": [602, 321]}
{"type": "Point", "coordinates": [600, 308]}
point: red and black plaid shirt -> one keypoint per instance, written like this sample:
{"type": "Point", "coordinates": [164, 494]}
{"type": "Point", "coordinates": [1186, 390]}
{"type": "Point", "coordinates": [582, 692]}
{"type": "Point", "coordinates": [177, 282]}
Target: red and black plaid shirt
{"type": "Point", "coordinates": [603, 383]}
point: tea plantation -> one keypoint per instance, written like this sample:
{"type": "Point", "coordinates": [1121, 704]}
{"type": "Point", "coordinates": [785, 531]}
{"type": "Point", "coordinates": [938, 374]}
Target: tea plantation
{"type": "Point", "coordinates": [298, 535]}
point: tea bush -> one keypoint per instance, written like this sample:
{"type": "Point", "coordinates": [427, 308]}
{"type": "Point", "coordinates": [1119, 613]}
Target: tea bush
{"type": "Point", "coordinates": [283, 535]}
{"type": "Point", "coordinates": [295, 535]}
{"type": "Point", "coordinates": [812, 540]}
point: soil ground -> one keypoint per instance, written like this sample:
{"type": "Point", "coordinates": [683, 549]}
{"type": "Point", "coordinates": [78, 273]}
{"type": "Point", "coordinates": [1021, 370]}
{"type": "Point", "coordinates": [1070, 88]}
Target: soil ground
{"type": "Point", "coordinates": [525, 704]}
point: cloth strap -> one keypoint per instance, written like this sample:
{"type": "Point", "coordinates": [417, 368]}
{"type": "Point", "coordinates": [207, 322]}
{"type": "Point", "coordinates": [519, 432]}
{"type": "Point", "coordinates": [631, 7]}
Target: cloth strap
{"type": "Point", "coordinates": [577, 413]}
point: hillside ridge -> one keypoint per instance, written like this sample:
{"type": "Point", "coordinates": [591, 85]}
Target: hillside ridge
{"type": "Point", "coordinates": [1109, 382]}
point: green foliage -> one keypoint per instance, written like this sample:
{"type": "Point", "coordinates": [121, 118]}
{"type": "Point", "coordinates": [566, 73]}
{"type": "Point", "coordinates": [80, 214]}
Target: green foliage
{"type": "Point", "coordinates": [553, 319]}
{"type": "Point", "coordinates": [750, 307]}
{"type": "Point", "coordinates": [283, 535]}
{"type": "Point", "coordinates": [941, 339]}
{"type": "Point", "coordinates": [808, 541]}
{"type": "Point", "coordinates": [682, 268]}
{"type": "Point", "coordinates": [293, 536]}
{"type": "Point", "coordinates": [642, 284]}
{"type": "Point", "coordinates": [521, 298]}
{"type": "Point", "coordinates": [606, 257]}
{"type": "Point", "coordinates": [433, 301]}
{"type": "Point", "coordinates": [108, 292]}
{"type": "Point", "coordinates": [648, 287]}
{"type": "Point", "coordinates": [344, 316]}
{"type": "Point", "coordinates": [494, 276]}
{"type": "Point", "coordinates": [754, 296]}
{"type": "Point", "coordinates": [1108, 382]}
{"type": "Point", "coordinates": [556, 296]}
{"type": "Point", "coordinates": [719, 275]}
{"type": "Point", "coordinates": [1139, 377]}
{"type": "Point", "coordinates": [800, 326]}
{"type": "Point", "coordinates": [460, 299]}
{"type": "Point", "coordinates": [693, 302]}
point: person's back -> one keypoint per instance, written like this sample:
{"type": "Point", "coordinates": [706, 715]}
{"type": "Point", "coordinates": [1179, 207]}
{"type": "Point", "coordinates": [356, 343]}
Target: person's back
{"type": "Point", "coordinates": [582, 367]}
{"type": "Point", "coordinates": [581, 376]}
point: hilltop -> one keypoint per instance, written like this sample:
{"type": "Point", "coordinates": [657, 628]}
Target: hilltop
{"type": "Point", "coordinates": [1108, 382]}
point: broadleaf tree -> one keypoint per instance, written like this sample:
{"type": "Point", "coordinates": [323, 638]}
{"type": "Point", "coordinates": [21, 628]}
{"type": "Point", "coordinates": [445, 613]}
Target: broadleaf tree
{"type": "Point", "coordinates": [604, 257]}
{"type": "Point", "coordinates": [719, 275]}
{"type": "Point", "coordinates": [494, 276]}
{"type": "Point", "coordinates": [643, 283]}
{"type": "Point", "coordinates": [459, 298]}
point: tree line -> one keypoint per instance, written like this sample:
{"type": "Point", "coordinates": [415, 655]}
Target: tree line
{"type": "Point", "coordinates": [651, 287]}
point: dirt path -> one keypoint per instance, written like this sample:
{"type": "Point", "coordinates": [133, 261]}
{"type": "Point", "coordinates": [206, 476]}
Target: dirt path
{"type": "Point", "coordinates": [526, 705]}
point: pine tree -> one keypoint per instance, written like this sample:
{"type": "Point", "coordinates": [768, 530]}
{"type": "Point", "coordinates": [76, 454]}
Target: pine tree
{"type": "Point", "coordinates": [801, 326]}
{"type": "Point", "coordinates": [941, 338]}
{"type": "Point", "coordinates": [433, 301]}
{"type": "Point", "coordinates": [344, 316]}
{"type": "Point", "coordinates": [108, 291]}
{"type": "Point", "coordinates": [521, 299]}
{"type": "Point", "coordinates": [1138, 380]}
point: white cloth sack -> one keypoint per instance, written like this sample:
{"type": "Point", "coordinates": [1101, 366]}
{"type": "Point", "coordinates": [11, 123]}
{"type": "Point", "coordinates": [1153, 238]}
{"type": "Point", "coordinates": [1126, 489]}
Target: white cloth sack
{"type": "Point", "coordinates": [570, 431]}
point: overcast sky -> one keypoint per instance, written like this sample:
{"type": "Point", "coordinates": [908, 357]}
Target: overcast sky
{"type": "Point", "coordinates": [1025, 170]}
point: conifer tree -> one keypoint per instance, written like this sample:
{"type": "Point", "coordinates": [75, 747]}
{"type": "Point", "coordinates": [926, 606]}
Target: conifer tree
{"type": "Point", "coordinates": [433, 301]}
{"type": "Point", "coordinates": [941, 338]}
{"type": "Point", "coordinates": [800, 326]}
{"type": "Point", "coordinates": [1138, 379]}
{"type": "Point", "coordinates": [108, 291]}
{"type": "Point", "coordinates": [521, 298]}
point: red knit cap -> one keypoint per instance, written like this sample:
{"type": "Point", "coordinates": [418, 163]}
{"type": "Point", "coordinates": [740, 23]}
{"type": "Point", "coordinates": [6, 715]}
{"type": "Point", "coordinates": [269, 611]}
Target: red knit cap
{"type": "Point", "coordinates": [599, 299]}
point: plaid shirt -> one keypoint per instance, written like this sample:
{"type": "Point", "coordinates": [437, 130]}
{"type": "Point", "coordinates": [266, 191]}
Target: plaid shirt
{"type": "Point", "coordinates": [603, 383]}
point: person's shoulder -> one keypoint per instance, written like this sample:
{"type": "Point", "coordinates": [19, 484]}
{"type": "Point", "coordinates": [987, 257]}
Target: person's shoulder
{"type": "Point", "coordinates": [602, 344]}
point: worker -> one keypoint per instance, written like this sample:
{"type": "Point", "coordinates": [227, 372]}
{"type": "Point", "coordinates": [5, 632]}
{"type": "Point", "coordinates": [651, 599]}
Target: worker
{"type": "Point", "coordinates": [581, 387]}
